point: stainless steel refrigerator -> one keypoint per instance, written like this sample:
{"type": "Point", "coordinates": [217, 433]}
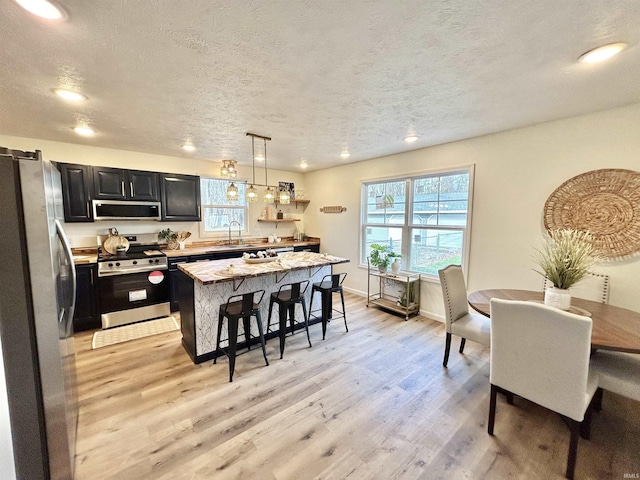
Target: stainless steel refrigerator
{"type": "Point", "coordinates": [37, 298]}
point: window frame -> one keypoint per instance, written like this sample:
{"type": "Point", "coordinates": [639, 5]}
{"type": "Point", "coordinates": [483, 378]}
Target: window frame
{"type": "Point", "coordinates": [238, 205]}
{"type": "Point", "coordinates": [408, 225]}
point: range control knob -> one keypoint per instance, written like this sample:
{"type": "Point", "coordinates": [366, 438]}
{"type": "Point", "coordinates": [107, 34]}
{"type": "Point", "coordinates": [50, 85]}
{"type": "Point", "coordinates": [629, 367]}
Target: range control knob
{"type": "Point", "coordinates": [150, 261]}
{"type": "Point", "coordinates": [111, 264]}
{"type": "Point", "coordinates": [135, 262]}
{"type": "Point", "coordinates": [117, 264]}
{"type": "Point", "coordinates": [157, 261]}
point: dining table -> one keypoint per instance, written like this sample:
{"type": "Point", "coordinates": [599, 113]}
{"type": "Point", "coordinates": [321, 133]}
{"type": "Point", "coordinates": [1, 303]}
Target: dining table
{"type": "Point", "coordinates": [613, 328]}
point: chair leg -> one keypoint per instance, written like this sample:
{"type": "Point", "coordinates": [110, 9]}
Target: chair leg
{"type": "Point", "coordinates": [310, 305]}
{"type": "Point", "coordinates": [326, 310]}
{"type": "Point", "coordinates": [261, 333]}
{"type": "Point", "coordinates": [232, 328]}
{"type": "Point", "coordinates": [344, 312]}
{"type": "Point", "coordinates": [447, 347]}
{"type": "Point", "coordinates": [306, 321]}
{"type": "Point", "coordinates": [492, 409]}
{"type": "Point", "coordinates": [220, 320]}
{"type": "Point", "coordinates": [597, 399]}
{"type": "Point", "coordinates": [462, 342]}
{"type": "Point", "coordinates": [247, 331]}
{"type": "Point", "coordinates": [292, 316]}
{"type": "Point", "coordinates": [282, 312]}
{"type": "Point", "coordinates": [573, 448]}
{"type": "Point", "coordinates": [269, 316]}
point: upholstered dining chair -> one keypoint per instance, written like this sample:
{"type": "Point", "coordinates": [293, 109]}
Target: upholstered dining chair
{"type": "Point", "coordinates": [594, 287]}
{"type": "Point", "coordinates": [458, 319]}
{"type": "Point", "coordinates": [618, 373]}
{"type": "Point", "coordinates": [542, 354]}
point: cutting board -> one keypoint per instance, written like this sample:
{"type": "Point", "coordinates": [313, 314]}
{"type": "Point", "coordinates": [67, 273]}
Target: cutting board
{"type": "Point", "coordinates": [113, 241]}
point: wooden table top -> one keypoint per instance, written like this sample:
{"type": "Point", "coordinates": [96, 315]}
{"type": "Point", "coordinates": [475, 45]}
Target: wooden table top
{"type": "Point", "coordinates": [614, 328]}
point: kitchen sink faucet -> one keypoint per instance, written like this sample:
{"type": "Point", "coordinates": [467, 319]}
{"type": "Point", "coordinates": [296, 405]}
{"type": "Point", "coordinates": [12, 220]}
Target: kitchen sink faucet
{"type": "Point", "coordinates": [239, 232]}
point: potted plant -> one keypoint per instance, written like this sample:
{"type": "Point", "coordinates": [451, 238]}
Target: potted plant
{"type": "Point", "coordinates": [381, 256]}
{"type": "Point", "coordinates": [170, 237]}
{"type": "Point", "coordinates": [565, 259]}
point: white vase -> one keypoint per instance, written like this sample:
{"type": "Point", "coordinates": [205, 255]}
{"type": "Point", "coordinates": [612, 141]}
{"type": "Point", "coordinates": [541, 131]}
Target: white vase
{"type": "Point", "coordinates": [557, 297]}
{"type": "Point", "coordinates": [395, 266]}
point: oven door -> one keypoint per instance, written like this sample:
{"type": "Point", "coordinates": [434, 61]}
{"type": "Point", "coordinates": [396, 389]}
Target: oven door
{"type": "Point", "coordinates": [133, 297]}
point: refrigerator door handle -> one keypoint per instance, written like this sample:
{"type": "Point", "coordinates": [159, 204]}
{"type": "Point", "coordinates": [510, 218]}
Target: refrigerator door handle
{"type": "Point", "coordinates": [69, 255]}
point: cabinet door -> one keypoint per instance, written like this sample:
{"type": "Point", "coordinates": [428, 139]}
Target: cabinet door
{"type": "Point", "coordinates": [142, 186]}
{"type": "Point", "coordinates": [109, 183]}
{"type": "Point", "coordinates": [86, 316]}
{"type": "Point", "coordinates": [76, 192]}
{"type": "Point", "coordinates": [180, 196]}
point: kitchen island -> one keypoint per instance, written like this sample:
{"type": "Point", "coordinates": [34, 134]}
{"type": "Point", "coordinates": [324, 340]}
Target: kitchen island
{"type": "Point", "coordinates": [204, 286]}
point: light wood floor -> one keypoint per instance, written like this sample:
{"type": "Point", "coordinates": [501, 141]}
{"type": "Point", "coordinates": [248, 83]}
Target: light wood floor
{"type": "Point", "coordinates": [374, 403]}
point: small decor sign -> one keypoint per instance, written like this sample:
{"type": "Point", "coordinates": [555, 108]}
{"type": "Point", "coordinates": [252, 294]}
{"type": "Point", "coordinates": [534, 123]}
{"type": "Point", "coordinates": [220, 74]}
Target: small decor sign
{"type": "Point", "coordinates": [289, 187]}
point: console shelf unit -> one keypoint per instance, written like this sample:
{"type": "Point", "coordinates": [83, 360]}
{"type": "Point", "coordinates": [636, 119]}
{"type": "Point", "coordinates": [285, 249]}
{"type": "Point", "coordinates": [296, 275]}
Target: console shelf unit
{"type": "Point", "coordinates": [388, 290]}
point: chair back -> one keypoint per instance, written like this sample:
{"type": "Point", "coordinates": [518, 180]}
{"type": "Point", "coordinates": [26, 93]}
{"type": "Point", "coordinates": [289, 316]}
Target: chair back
{"type": "Point", "coordinates": [298, 289]}
{"type": "Point", "coordinates": [542, 354]}
{"type": "Point", "coordinates": [454, 292]}
{"type": "Point", "coordinates": [336, 279]}
{"type": "Point", "coordinates": [594, 287]}
{"type": "Point", "coordinates": [245, 301]}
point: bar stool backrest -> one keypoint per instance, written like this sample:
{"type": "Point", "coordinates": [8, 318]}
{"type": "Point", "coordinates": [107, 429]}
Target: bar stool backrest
{"type": "Point", "coordinates": [336, 279]}
{"type": "Point", "coordinates": [247, 302]}
{"type": "Point", "coordinates": [297, 289]}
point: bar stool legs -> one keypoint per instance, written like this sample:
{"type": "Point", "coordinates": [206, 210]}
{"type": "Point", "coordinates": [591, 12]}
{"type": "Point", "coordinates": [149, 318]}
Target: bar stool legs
{"type": "Point", "coordinates": [287, 297]}
{"type": "Point", "coordinates": [329, 285]}
{"type": "Point", "coordinates": [237, 307]}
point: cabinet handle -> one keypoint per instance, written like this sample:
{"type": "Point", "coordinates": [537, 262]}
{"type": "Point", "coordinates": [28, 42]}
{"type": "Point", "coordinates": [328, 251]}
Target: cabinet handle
{"type": "Point", "coordinates": [122, 187]}
{"type": "Point", "coordinates": [131, 186]}
{"type": "Point", "coordinates": [88, 212]}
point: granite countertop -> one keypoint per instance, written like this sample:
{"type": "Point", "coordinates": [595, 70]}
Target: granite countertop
{"type": "Point", "coordinates": [86, 256]}
{"type": "Point", "coordinates": [216, 271]}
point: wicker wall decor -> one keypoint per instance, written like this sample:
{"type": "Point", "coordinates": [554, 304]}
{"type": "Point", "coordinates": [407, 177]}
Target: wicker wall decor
{"type": "Point", "coordinates": [604, 202]}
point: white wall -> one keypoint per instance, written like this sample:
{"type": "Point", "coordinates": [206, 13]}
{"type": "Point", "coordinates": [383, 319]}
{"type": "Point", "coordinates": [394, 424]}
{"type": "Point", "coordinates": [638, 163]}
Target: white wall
{"type": "Point", "coordinates": [84, 234]}
{"type": "Point", "coordinates": [515, 173]}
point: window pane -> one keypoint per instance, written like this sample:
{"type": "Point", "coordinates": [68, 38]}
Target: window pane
{"type": "Point", "coordinates": [214, 192]}
{"type": "Point", "coordinates": [432, 250]}
{"type": "Point", "coordinates": [383, 236]}
{"type": "Point", "coordinates": [218, 219]}
{"type": "Point", "coordinates": [441, 200]}
{"type": "Point", "coordinates": [386, 202]}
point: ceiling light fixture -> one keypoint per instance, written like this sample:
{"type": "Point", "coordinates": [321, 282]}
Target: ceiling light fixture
{"type": "Point", "coordinates": [303, 164]}
{"type": "Point", "coordinates": [85, 131]}
{"type": "Point", "coordinates": [269, 195]}
{"type": "Point", "coordinates": [44, 9]}
{"type": "Point", "coordinates": [188, 148]}
{"type": "Point", "coordinates": [410, 138]}
{"type": "Point", "coordinates": [69, 95]}
{"type": "Point", "coordinates": [232, 193]}
{"type": "Point", "coordinates": [345, 154]}
{"type": "Point", "coordinates": [229, 169]}
{"type": "Point", "coordinates": [603, 53]}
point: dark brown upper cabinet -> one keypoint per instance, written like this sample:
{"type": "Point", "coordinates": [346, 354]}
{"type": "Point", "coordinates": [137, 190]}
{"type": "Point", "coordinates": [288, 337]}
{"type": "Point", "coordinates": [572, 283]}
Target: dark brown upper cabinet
{"type": "Point", "coordinates": [76, 192]}
{"type": "Point", "coordinates": [180, 197]}
{"type": "Point", "coordinates": [120, 184]}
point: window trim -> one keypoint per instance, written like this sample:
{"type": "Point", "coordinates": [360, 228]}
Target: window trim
{"type": "Point", "coordinates": [406, 227]}
{"type": "Point", "coordinates": [220, 234]}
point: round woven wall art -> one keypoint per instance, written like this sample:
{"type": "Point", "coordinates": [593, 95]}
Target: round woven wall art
{"type": "Point", "coordinates": [606, 203]}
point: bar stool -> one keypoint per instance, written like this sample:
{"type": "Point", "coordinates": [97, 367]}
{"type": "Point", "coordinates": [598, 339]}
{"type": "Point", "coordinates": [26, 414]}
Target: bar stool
{"type": "Point", "coordinates": [287, 297]}
{"type": "Point", "coordinates": [239, 306]}
{"type": "Point", "coordinates": [329, 285]}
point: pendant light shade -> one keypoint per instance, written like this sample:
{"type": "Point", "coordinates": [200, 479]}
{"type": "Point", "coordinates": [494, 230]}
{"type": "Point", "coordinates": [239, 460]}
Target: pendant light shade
{"type": "Point", "coordinates": [224, 170]}
{"type": "Point", "coordinates": [232, 193]}
{"type": "Point", "coordinates": [228, 169]}
{"type": "Point", "coordinates": [252, 194]}
{"type": "Point", "coordinates": [269, 195]}
{"type": "Point", "coordinates": [284, 197]}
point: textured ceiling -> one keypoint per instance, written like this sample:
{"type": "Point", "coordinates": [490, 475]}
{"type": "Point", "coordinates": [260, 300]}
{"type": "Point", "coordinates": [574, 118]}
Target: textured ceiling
{"type": "Point", "coordinates": [319, 77]}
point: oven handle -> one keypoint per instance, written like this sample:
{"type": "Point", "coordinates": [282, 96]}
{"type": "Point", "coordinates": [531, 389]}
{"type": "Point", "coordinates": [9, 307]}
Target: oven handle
{"type": "Point", "coordinates": [133, 270]}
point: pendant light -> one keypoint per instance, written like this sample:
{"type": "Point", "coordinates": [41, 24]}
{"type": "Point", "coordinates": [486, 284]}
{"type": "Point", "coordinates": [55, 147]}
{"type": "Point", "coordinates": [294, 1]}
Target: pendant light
{"type": "Point", "coordinates": [232, 193]}
{"type": "Point", "coordinates": [224, 170]}
{"type": "Point", "coordinates": [284, 197]}
{"type": "Point", "coordinates": [252, 193]}
{"type": "Point", "coordinates": [271, 193]}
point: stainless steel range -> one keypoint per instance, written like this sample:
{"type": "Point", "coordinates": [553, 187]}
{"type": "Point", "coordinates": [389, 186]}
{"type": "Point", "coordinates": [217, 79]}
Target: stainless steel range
{"type": "Point", "coordinates": [133, 286]}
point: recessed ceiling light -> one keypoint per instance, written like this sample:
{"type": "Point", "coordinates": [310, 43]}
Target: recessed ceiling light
{"type": "Point", "coordinates": [603, 53]}
{"type": "Point", "coordinates": [69, 95]}
{"type": "Point", "coordinates": [259, 157]}
{"type": "Point", "coordinates": [345, 154]}
{"type": "Point", "coordinates": [410, 138]}
{"type": "Point", "coordinates": [44, 9]}
{"type": "Point", "coordinates": [84, 131]}
{"type": "Point", "coordinates": [304, 164]}
{"type": "Point", "coordinates": [188, 148]}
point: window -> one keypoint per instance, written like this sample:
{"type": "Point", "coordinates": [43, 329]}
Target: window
{"type": "Point", "coordinates": [425, 218]}
{"type": "Point", "coordinates": [217, 211]}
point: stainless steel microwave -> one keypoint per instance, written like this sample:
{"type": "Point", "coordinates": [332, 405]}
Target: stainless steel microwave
{"type": "Point", "coordinates": [125, 210]}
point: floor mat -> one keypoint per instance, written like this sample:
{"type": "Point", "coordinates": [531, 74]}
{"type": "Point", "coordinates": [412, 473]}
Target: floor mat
{"type": "Point", "coordinates": [111, 336]}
